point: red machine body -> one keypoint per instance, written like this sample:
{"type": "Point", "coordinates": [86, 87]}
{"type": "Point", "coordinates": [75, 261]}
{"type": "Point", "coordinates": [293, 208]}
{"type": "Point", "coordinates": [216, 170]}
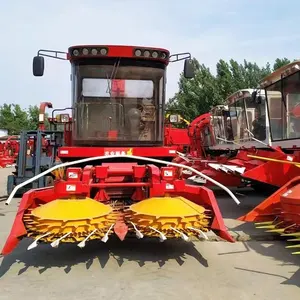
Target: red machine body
{"type": "Point", "coordinates": [280, 213]}
{"type": "Point", "coordinates": [118, 98]}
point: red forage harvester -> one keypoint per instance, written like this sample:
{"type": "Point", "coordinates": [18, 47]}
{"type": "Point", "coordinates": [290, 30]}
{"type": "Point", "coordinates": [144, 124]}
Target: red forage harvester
{"type": "Point", "coordinates": [116, 175]}
{"type": "Point", "coordinates": [280, 212]}
{"type": "Point", "coordinates": [239, 143]}
{"type": "Point", "coordinates": [202, 138]}
{"type": "Point", "coordinates": [9, 150]}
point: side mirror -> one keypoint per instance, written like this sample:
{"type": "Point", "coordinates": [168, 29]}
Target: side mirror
{"type": "Point", "coordinates": [188, 71]}
{"type": "Point", "coordinates": [38, 66]}
{"type": "Point", "coordinates": [253, 96]}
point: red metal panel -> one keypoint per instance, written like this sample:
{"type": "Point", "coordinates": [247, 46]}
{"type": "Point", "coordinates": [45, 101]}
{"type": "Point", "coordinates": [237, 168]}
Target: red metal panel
{"type": "Point", "coordinates": [280, 204]}
{"type": "Point", "coordinates": [65, 152]}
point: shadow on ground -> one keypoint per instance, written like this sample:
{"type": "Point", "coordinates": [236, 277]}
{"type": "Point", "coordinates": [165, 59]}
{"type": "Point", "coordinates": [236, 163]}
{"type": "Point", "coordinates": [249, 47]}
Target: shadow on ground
{"type": "Point", "coordinates": [66, 255]}
{"type": "Point", "coordinates": [278, 252]}
{"type": "Point", "coordinates": [266, 244]}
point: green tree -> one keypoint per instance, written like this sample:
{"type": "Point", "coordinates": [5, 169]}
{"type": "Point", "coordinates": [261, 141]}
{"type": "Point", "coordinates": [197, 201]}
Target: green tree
{"type": "Point", "coordinates": [196, 96]}
{"type": "Point", "coordinates": [7, 120]}
{"type": "Point", "coordinates": [15, 119]}
{"type": "Point", "coordinates": [33, 117]}
{"type": "Point", "coordinates": [226, 83]}
{"type": "Point", "coordinates": [20, 119]}
{"type": "Point", "coordinates": [280, 62]}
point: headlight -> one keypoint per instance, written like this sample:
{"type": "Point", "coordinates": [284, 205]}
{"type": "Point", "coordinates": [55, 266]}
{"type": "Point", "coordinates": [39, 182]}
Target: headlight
{"type": "Point", "coordinates": [147, 53]}
{"type": "Point", "coordinates": [62, 118]}
{"type": "Point", "coordinates": [138, 52]}
{"type": "Point", "coordinates": [163, 55]}
{"type": "Point", "coordinates": [154, 54]}
{"type": "Point", "coordinates": [103, 51]}
{"type": "Point", "coordinates": [174, 119]}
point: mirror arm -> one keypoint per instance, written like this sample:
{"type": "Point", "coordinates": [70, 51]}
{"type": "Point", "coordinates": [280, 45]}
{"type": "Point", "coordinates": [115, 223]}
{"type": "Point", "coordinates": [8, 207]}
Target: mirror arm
{"type": "Point", "coordinates": [186, 55]}
{"type": "Point", "coordinates": [56, 53]}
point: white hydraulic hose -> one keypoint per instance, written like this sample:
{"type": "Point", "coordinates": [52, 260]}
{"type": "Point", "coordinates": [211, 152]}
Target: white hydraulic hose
{"type": "Point", "coordinates": [84, 160]}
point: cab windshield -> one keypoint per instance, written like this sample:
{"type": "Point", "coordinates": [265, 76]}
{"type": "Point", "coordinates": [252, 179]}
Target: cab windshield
{"type": "Point", "coordinates": [238, 121]}
{"type": "Point", "coordinates": [256, 116]}
{"type": "Point", "coordinates": [219, 125]}
{"type": "Point", "coordinates": [284, 108]}
{"type": "Point", "coordinates": [118, 103]}
{"type": "Point", "coordinates": [247, 115]}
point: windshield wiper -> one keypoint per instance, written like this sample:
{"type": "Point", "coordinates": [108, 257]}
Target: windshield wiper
{"type": "Point", "coordinates": [112, 76]}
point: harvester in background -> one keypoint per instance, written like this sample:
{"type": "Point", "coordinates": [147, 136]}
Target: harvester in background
{"type": "Point", "coordinates": [240, 135]}
{"type": "Point", "coordinates": [116, 176]}
{"type": "Point", "coordinates": [38, 152]}
{"type": "Point", "coordinates": [9, 149]}
{"type": "Point", "coordinates": [280, 213]}
{"type": "Point", "coordinates": [201, 156]}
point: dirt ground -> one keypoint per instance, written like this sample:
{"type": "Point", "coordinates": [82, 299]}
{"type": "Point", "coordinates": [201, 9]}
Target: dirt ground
{"type": "Point", "coordinates": [257, 267]}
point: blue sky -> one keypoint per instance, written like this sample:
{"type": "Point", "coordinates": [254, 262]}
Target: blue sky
{"type": "Point", "coordinates": [255, 30]}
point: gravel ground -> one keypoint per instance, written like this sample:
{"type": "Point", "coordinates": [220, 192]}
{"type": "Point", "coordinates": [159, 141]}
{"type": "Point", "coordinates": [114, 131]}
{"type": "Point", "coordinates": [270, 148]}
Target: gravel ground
{"type": "Point", "coordinates": [136, 269]}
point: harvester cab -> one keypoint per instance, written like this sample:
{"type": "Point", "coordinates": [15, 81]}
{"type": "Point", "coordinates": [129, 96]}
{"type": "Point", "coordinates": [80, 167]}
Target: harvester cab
{"type": "Point", "coordinates": [244, 122]}
{"type": "Point", "coordinates": [117, 96]}
{"type": "Point", "coordinates": [282, 90]}
{"type": "Point", "coordinates": [118, 112]}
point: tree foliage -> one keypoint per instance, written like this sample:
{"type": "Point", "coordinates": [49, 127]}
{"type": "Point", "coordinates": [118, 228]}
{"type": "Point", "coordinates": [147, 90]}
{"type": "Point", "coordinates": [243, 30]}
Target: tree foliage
{"type": "Point", "coordinates": [196, 96]}
{"type": "Point", "coordinates": [15, 119]}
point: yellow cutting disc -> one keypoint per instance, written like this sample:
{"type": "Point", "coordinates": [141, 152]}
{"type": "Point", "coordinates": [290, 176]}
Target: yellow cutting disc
{"type": "Point", "coordinates": [167, 207]}
{"type": "Point", "coordinates": [166, 214]}
{"type": "Point", "coordinates": [71, 210]}
{"type": "Point", "coordinates": [78, 217]}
